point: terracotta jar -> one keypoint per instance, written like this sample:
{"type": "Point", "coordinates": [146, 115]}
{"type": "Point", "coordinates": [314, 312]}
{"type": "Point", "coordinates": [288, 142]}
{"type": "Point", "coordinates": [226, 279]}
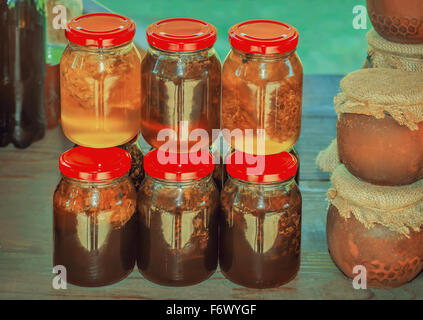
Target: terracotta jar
{"type": "Point", "coordinates": [380, 151]}
{"type": "Point", "coordinates": [380, 125]}
{"type": "Point", "coordinates": [397, 20]}
{"type": "Point", "coordinates": [262, 79]}
{"type": "Point", "coordinates": [391, 259]}
{"type": "Point", "coordinates": [181, 86]}
{"type": "Point", "coordinates": [94, 221]}
{"type": "Point", "coordinates": [382, 53]}
{"type": "Point", "coordinates": [260, 231]}
{"type": "Point", "coordinates": [378, 227]}
{"type": "Point", "coordinates": [177, 209]}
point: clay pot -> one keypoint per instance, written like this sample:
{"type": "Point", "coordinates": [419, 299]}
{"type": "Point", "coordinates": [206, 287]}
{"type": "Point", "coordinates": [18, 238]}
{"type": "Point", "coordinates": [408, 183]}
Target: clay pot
{"type": "Point", "coordinates": [390, 259]}
{"type": "Point", "coordinates": [382, 53]}
{"type": "Point", "coordinates": [397, 20]}
{"type": "Point", "coordinates": [380, 151]}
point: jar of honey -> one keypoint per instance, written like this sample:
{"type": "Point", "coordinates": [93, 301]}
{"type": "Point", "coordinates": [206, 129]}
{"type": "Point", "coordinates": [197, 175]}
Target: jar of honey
{"type": "Point", "coordinates": [260, 231]}
{"type": "Point", "coordinates": [100, 75]}
{"type": "Point", "coordinates": [181, 85]}
{"type": "Point", "coordinates": [177, 206]}
{"type": "Point", "coordinates": [262, 81]}
{"type": "Point", "coordinates": [94, 221]}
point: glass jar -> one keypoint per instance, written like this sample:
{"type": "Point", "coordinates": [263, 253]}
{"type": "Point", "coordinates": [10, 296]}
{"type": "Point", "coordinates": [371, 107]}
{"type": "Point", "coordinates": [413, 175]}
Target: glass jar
{"type": "Point", "coordinates": [100, 73]}
{"type": "Point", "coordinates": [58, 12]}
{"type": "Point", "coordinates": [260, 233]}
{"type": "Point", "coordinates": [22, 71]}
{"type": "Point", "coordinates": [262, 81]}
{"type": "Point", "coordinates": [94, 224]}
{"type": "Point", "coordinates": [181, 84]}
{"type": "Point", "coordinates": [177, 207]}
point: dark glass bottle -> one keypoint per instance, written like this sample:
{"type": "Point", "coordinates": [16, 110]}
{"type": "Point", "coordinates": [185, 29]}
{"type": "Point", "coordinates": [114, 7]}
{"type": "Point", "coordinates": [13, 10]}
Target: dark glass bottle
{"type": "Point", "coordinates": [22, 71]}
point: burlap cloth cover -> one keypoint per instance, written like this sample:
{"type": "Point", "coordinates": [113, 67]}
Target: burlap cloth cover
{"type": "Point", "coordinates": [380, 91]}
{"type": "Point", "coordinates": [385, 54]}
{"type": "Point", "coordinates": [397, 208]}
{"type": "Point", "coordinates": [328, 159]}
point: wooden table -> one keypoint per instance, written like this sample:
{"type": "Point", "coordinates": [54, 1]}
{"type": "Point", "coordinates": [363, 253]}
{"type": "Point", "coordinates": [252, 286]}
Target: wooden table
{"type": "Point", "coordinates": [28, 179]}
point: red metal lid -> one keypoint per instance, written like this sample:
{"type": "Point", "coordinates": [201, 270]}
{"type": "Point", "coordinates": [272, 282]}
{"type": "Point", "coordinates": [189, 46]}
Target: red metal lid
{"type": "Point", "coordinates": [91, 164]}
{"type": "Point", "coordinates": [100, 30]}
{"type": "Point", "coordinates": [263, 36]}
{"type": "Point", "coordinates": [181, 34]}
{"type": "Point", "coordinates": [178, 166]}
{"type": "Point", "coordinates": [261, 168]}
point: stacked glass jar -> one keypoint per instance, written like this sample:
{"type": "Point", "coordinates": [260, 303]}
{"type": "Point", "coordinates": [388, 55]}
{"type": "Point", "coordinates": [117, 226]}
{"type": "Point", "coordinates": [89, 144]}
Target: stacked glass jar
{"type": "Point", "coordinates": [178, 204]}
{"type": "Point", "coordinates": [94, 221]}
{"type": "Point", "coordinates": [262, 87]}
{"type": "Point", "coordinates": [95, 202]}
{"type": "Point", "coordinates": [261, 120]}
{"type": "Point", "coordinates": [173, 98]}
{"type": "Point", "coordinates": [260, 231]}
{"type": "Point", "coordinates": [178, 199]}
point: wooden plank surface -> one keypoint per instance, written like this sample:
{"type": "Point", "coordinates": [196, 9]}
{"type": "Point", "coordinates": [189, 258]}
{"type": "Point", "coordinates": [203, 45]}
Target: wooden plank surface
{"type": "Point", "coordinates": [28, 178]}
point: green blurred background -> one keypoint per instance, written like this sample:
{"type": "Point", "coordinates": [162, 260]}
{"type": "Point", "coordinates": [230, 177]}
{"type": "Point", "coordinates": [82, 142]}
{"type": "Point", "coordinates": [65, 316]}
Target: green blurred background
{"type": "Point", "coordinates": [328, 42]}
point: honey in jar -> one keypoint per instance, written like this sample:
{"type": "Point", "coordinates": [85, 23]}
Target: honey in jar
{"type": "Point", "coordinates": [260, 228]}
{"type": "Point", "coordinates": [262, 80]}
